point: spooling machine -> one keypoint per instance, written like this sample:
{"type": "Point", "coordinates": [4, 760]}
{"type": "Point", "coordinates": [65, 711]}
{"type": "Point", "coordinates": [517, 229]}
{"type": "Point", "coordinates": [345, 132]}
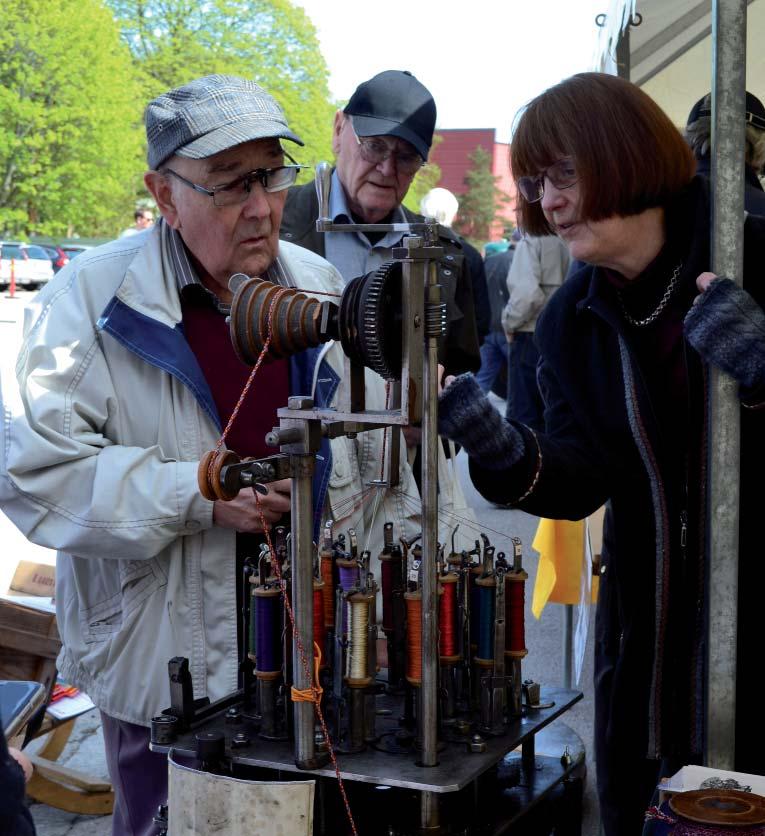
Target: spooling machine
{"type": "Point", "coordinates": [450, 708]}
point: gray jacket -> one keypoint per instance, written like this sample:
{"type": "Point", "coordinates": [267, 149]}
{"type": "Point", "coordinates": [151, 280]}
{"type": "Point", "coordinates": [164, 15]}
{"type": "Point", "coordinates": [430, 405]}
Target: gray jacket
{"type": "Point", "coordinates": [539, 267]}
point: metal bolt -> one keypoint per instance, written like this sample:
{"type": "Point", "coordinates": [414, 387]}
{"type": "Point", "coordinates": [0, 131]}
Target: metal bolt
{"type": "Point", "coordinates": [240, 739]}
{"type": "Point", "coordinates": [233, 716]}
{"type": "Point", "coordinates": [417, 321]}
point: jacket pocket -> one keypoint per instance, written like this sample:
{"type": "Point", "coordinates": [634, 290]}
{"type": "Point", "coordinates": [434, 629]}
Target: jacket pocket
{"type": "Point", "coordinates": [343, 472]}
{"type": "Point", "coordinates": [138, 580]}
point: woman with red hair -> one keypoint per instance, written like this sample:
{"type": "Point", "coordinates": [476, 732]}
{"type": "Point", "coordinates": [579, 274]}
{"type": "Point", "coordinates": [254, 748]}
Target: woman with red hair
{"type": "Point", "coordinates": [625, 348]}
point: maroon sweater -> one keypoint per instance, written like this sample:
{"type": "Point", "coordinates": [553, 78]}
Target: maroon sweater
{"type": "Point", "coordinates": [207, 333]}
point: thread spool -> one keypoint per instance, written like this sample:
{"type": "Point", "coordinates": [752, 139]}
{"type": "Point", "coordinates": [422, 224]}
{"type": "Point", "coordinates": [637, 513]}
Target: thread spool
{"type": "Point", "coordinates": [327, 570]}
{"type": "Point", "coordinates": [348, 571]}
{"type": "Point", "coordinates": [487, 605]}
{"type": "Point", "coordinates": [295, 320]}
{"type": "Point", "coordinates": [357, 673]}
{"type": "Point", "coordinates": [515, 627]}
{"type": "Point", "coordinates": [715, 812]}
{"type": "Point", "coordinates": [208, 474]}
{"type": "Point", "coordinates": [447, 619]}
{"type": "Point", "coordinates": [319, 624]}
{"type": "Point", "coordinates": [268, 639]}
{"type": "Point", "coordinates": [413, 601]}
{"type": "Point", "coordinates": [251, 637]}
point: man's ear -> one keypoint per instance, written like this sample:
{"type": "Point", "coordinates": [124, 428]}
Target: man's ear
{"type": "Point", "coordinates": [340, 118]}
{"type": "Point", "coordinates": [160, 189]}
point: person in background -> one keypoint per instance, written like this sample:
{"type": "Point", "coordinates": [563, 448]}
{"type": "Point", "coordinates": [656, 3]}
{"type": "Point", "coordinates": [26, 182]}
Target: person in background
{"type": "Point", "coordinates": [443, 206]}
{"type": "Point", "coordinates": [144, 219]}
{"type": "Point", "coordinates": [698, 132]}
{"type": "Point", "coordinates": [15, 772]}
{"type": "Point", "coordinates": [626, 347]}
{"type": "Point", "coordinates": [539, 267]}
{"type": "Point", "coordinates": [493, 374]}
{"type": "Point", "coordinates": [381, 139]}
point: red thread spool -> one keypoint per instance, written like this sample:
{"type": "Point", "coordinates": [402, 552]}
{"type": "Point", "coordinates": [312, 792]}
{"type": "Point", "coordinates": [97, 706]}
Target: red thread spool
{"type": "Point", "coordinates": [328, 590]}
{"type": "Point", "coordinates": [319, 628]}
{"type": "Point", "coordinates": [447, 619]}
{"type": "Point", "coordinates": [515, 631]}
{"type": "Point", "coordinates": [413, 601]}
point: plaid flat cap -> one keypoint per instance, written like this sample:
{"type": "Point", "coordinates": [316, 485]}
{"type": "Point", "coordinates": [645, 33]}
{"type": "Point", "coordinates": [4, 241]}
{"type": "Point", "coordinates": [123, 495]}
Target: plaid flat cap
{"type": "Point", "coordinates": [210, 115]}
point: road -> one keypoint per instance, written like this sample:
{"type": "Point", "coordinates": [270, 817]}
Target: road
{"type": "Point", "coordinates": [544, 663]}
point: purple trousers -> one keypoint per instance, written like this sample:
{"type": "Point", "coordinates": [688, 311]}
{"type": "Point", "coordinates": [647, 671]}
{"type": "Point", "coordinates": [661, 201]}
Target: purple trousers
{"type": "Point", "coordinates": [139, 777]}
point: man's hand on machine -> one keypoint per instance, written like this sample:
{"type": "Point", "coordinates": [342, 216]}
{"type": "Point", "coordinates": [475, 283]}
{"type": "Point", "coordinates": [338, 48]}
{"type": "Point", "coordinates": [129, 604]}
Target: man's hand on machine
{"type": "Point", "coordinates": [468, 417]}
{"type": "Point", "coordinates": [242, 512]}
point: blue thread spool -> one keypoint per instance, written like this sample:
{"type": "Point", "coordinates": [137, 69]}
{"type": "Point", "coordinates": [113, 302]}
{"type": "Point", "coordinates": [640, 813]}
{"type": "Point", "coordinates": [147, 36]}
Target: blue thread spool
{"type": "Point", "coordinates": [349, 580]}
{"type": "Point", "coordinates": [475, 604]}
{"type": "Point", "coordinates": [487, 602]}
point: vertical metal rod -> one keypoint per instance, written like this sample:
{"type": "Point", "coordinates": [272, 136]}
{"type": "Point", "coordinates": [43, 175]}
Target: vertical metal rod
{"type": "Point", "coordinates": [568, 644]}
{"type": "Point", "coordinates": [429, 812]}
{"type": "Point", "coordinates": [302, 603]}
{"type": "Point", "coordinates": [430, 442]}
{"type": "Point", "coordinates": [728, 107]}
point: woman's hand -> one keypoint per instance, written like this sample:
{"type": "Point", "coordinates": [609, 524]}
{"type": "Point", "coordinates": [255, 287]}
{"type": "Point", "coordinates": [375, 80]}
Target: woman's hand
{"type": "Point", "coordinates": [727, 328]}
{"type": "Point", "coordinates": [242, 512]}
{"type": "Point", "coordinates": [704, 280]}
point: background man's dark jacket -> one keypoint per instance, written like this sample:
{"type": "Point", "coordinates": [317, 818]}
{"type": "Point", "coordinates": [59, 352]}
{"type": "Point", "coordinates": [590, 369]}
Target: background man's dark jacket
{"type": "Point", "coordinates": [459, 351]}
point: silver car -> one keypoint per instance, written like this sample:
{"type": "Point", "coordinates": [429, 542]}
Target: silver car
{"type": "Point", "coordinates": [30, 265]}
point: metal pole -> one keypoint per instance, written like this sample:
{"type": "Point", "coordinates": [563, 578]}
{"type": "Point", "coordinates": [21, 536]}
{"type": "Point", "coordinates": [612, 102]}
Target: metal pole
{"type": "Point", "coordinates": [302, 603]}
{"type": "Point", "coordinates": [430, 442]}
{"type": "Point", "coordinates": [728, 106]}
{"type": "Point", "coordinates": [568, 645]}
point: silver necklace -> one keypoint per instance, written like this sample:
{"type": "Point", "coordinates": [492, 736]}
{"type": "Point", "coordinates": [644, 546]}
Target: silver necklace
{"type": "Point", "coordinates": [659, 308]}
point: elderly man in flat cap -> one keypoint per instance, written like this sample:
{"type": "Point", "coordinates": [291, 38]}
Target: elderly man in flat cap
{"type": "Point", "coordinates": [126, 377]}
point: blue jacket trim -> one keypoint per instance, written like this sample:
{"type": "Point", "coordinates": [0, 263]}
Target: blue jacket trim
{"type": "Point", "coordinates": [327, 380]}
{"type": "Point", "coordinates": [162, 346]}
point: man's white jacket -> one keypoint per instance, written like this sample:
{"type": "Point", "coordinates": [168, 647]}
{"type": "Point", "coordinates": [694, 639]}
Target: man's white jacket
{"type": "Point", "coordinates": [102, 434]}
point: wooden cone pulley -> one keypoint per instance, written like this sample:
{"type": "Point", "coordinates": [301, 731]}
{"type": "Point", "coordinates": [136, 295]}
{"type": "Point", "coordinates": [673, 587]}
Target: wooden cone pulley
{"type": "Point", "coordinates": [208, 474]}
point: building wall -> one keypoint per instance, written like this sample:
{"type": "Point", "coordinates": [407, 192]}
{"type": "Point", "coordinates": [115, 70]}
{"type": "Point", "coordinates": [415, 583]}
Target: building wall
{"type": "Point", "coordinates": [452, 155]}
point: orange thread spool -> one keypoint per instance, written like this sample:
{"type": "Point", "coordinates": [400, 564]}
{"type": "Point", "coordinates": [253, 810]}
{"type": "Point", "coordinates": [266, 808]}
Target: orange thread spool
{"type": "Point", "coordinates": [413, 601]}
{"type": "Point", "coordinates": [447, 619]}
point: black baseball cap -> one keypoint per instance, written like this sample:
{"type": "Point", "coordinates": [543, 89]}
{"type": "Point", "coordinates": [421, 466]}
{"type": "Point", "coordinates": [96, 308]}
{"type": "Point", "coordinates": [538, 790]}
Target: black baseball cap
{"type": "Point", "coordinates": [394, 103]}
{"type": "Point", "coordinates": [755, 112]}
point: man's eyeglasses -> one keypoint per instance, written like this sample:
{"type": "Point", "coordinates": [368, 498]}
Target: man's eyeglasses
{"type": "Point", "coordinates": [238, 190]}
{"type": "Point", "coordinates": [563, 175]}
{"type": "Point", "coordinates": [375, 150]}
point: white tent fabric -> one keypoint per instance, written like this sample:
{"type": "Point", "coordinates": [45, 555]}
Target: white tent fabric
{"type": "Point", "coordinates": [671, 49]}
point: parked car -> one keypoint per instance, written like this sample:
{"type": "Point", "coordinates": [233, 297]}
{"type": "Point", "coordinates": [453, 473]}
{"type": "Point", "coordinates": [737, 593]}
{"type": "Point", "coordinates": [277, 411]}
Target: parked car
{"type": "Point", "coordinates": [73, 250]}
{"type": "Point", "coordinates": [58, 258]}
{"type": "Point", "coordinates": [31, 264]}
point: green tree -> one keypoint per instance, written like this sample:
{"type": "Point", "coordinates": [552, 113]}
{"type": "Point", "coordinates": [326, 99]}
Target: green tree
{"type": "Point", "coordinates": [70, 133]}
{"type": "Point", "coordinates": [270, 41]}
{"type": "Point", "coordinates": [482, 199]}
{"type": "Point", "coordinates": [426, 179]}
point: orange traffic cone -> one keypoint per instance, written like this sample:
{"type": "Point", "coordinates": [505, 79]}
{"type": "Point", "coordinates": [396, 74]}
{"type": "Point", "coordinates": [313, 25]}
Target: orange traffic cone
{"type": "Point", "coordinates": [12, 285]}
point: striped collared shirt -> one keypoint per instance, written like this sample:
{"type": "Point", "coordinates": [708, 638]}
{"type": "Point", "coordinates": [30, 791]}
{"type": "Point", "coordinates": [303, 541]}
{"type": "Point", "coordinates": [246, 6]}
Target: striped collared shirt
{"type": "Point", "coordinates": [189, 283]}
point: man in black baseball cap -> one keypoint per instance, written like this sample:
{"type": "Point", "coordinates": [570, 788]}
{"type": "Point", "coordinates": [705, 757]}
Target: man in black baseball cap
{"type": "Point", "coordinates": [381, 139]}
{"type": "Point", "coordinates": [698, 132]}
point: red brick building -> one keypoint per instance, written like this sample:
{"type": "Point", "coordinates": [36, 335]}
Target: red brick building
{"type": "Point", "coordinates": [452, 155]}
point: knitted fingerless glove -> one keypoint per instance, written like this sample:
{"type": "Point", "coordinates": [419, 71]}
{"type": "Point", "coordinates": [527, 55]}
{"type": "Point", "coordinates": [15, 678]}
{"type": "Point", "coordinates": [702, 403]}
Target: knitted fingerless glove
{"type": "Point", "coordinates": [727, 328]}
{"type": "Point", "coordinates": [467, 416]}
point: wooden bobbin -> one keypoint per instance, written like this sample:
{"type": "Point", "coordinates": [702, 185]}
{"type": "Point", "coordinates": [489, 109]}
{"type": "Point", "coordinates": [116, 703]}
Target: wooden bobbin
{"type": "Point", "coordinates": [208, 474]}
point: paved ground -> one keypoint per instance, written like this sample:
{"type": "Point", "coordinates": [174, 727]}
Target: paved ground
{"type": "Point", "coordinates": [544, 637]}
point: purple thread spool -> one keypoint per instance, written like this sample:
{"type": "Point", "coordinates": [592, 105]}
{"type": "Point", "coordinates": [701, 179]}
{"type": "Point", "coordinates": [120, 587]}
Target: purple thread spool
{"type": "Point", "coordinates": [268, 633]}
{"type": "Point", "coordinates": [349, 579]}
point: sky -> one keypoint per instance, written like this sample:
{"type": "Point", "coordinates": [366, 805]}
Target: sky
{"type": "Point", "coordinates": [481, 59]}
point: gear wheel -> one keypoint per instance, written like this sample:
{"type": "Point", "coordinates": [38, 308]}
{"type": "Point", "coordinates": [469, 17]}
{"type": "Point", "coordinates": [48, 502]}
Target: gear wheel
{"type": "Point", "coordinates": [370, 320]}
